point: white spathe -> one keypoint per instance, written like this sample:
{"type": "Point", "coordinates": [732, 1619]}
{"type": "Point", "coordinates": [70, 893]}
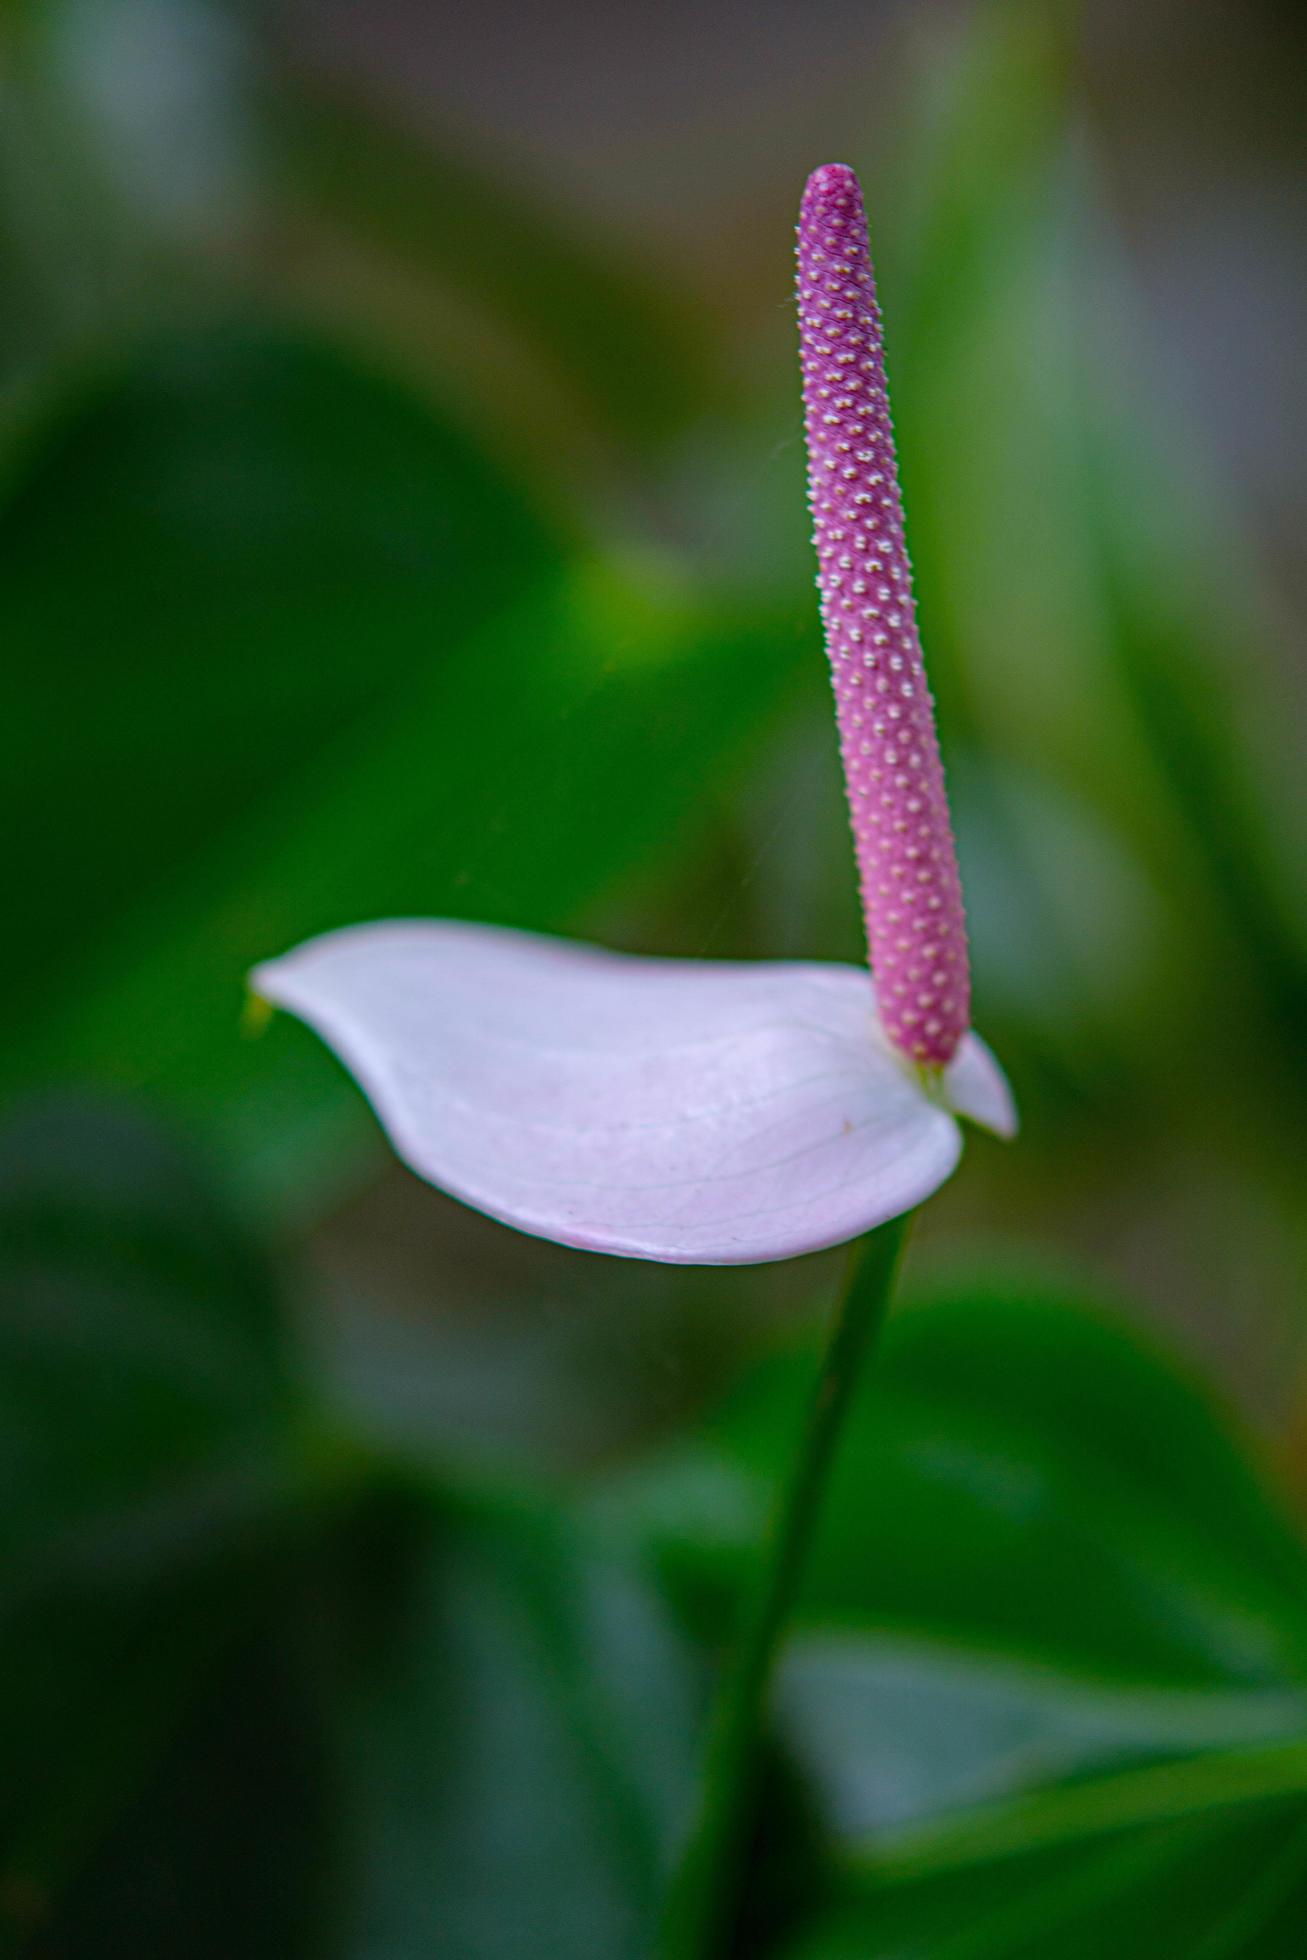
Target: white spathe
{"type": "Point", "coordinates": [702, 1112]}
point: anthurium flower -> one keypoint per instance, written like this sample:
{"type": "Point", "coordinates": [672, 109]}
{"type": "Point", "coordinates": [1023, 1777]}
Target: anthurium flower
{"type": "Point", "coordinates": [713, 1112]}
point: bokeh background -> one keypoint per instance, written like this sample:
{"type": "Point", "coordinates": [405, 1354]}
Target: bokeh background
{"type": "Point", "coordinates": [401, 512]}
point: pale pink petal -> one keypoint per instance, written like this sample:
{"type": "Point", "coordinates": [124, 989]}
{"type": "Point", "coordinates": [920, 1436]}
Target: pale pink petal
{"type": "Point", "coordinates": [975, 1086]}
{"type": "Point", "coordinates": [705, 1112]}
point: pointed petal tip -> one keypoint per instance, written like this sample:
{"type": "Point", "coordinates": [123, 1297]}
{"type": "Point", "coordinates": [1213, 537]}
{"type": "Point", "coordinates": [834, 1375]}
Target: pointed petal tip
{"type": "Point", "coordinates": [691, 1112]}
{"type": "Point", "coordinates": [976, 1087]}
{"type": "Point", "coordinates": [256, 1011]}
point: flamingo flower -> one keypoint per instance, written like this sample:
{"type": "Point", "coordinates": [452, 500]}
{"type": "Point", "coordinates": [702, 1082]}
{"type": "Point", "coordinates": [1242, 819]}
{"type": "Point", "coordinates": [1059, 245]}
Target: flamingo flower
{"type": "Point", "coordinates": [713, 1112]}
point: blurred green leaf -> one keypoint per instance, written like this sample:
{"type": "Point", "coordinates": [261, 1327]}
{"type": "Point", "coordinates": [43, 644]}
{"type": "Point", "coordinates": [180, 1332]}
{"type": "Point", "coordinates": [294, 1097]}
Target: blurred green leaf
{"type": "Point", "coordinates": [261, 1690]}
{"type": "Point", "coordinates": [899, 1733]}
{"type": "Point", "coordinates": [147, 1400]}
{"type": "Point", "coordinates": [1023, 1474]}
{"type": "Point", "coordinates": [1030, 1435]}
{"type": "Point", "coordinates": [520, 779]}
{"type": "Point", "coordinates": [229, 1844]}
{"type": "Point", "coordinates": [1090, 620]}
{"type": "Point", "coordinates": [1211, 1845]}
{"type": "Point", "coordinates": [448, 1730]}
{"type": "Point", "coordinates": [612, 335]}
{"type": "Point", "coordinates": [983, 317]}
{"type": "Point", "coordinates": [1049, 1674]}
{"type": "Point", "coordinates": [1208, 670]}
{"type": "Point", "coordinates": [452, 1732]}
{"type": "Point", "coordinates": [143, 1349]}
{"type": "Point", "coordinates": [275, 671]}
{"type": "Point", "coordinates": [1212, 1888]}
{"type": "Point", "coordinates": [214, 564]}
{"type": "Point", "coordinates": [518, 1746]}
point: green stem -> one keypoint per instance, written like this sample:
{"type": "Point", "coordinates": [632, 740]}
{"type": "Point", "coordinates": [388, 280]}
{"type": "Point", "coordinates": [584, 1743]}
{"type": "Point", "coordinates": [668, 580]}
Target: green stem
{"type": "Point", "coordinates": [705, 1884]}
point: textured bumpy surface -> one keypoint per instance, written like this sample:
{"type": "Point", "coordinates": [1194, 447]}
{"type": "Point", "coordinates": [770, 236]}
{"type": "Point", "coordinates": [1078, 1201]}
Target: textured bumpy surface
{"type": "Point", "coordinates": [911, 895]}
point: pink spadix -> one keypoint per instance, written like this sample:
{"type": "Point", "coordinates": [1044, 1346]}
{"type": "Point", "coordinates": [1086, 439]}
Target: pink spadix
{"type": "Point", "coordinates": [907, 864]}
{"type": "Point", "coordinates": [701, 1111]}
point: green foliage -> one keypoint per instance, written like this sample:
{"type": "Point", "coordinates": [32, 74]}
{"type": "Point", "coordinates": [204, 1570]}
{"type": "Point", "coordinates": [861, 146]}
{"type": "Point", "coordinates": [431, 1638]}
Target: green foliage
{"type": "Point", "coordinates": [325, 664]}
{"type": "Point", "coordinates": [450, 223]}
{"type": "Point", "coordinates": [149, 1398]}
{"type": "Point", "coordinates": [269, 1691]}
{"type": "Point", "coordinates": [259, 1685]}
{"type": "Point", "coordinates": [1098, 631]}
{"type": "Point", "coordinates": [213, 567]}
{"type": "Point", "coordinates": [1219, 1888]}
{"type": "Point", "coordinates": [1050, 1665]}
{"type": "Point", "coordinates": [216, 568]}
{"type": "Point", "coordinates": [518, 1744]}
{"type": "Point", "coordinates": [1043, 1484]}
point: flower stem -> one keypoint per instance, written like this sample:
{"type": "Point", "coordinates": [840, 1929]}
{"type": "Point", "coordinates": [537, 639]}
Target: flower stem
{"type": "Point", "coordinates": [704, 1886]}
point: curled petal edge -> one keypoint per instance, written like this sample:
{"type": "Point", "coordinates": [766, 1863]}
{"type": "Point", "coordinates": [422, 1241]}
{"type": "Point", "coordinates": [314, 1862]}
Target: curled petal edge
{"type": "Point", "coordinates": [695, 1112]}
